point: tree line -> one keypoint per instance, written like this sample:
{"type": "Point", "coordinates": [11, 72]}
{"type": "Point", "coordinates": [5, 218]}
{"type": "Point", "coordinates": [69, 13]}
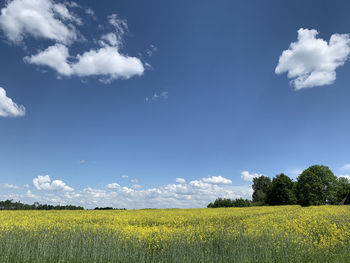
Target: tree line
{"type": "Point", "coordinates": [317, 185]}
{"type": "Point", "coordinates": [11, 205]}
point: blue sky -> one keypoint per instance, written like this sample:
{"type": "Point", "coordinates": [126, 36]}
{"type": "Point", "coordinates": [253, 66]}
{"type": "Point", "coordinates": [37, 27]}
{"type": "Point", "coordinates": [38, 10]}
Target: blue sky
{"type": "Point", "coordinates": [168, 103]}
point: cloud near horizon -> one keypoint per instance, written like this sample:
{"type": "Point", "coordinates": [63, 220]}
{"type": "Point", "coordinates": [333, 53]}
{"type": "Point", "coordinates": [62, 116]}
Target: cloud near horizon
{"type": "Point", "coordinates": [248, 177]}
{"type": "Point", "coordinates": [196, 193]}
{"type": "Point", "coordinates": [311, 61]}
{"type": "Point", "coordinates": [44, 183]}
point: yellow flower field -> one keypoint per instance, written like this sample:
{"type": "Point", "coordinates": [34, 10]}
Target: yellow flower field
{"type": "Point", "coordinates": [256, 234]}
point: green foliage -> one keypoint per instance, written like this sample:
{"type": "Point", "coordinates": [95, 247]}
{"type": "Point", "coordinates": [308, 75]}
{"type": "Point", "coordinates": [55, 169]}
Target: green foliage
{"type": "Point", "coordinates": [343, 189]}
{"type": "Point", "coordinates": [225, 202]}
{"type": "Point", "coordinates": [10, 205]}
{"type": "Point", "coordinates": [281, 191]}
{"type": "Point", "coordinates": [261, 186]}
{"type": "Point", "coordinates": [317, 185]}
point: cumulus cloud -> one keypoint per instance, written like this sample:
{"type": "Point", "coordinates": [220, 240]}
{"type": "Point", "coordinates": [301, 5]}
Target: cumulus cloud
{"type": "Point", "coordinates": [44, 183]}
{"type": "Point", "coordinates": [39, 19]}
{"type": "Point", "coordinates": [216, 180]}
{"type": "Point", "coordinates": [134, 180]}
{"type": "Point", "coordinates": [54, 57]}
{"type": "Point", "coordinates": [105, 62]}
{"type": "Point", "coordinates": [246, 176]}
{"type": "Point", "coordinates": [45, 19]}
{"type": "Point", "coordinates": [158, 96]}
{"type": "Point", "coordinates": [311, 61]}
{"type": "Point", "coordinates": [180, 180]}
{"type": "Point", "coordinates": [113, 186]}
{"type": "Point", "coordinates": [136, 186]}
{"type": "Point", "coordinates": [8, 108]}
{"type": "Point", "coordinates": [125, 176]}
{"type": "Point", "coordinates": [29, 194]}
{"type": "Point", "coordinates": [196, 193]}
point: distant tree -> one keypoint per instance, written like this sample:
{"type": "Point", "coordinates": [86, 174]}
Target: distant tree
{"type": "Point", "coordinates": [225, 202]}
{"type": "Point", "coordinates": [342, 189]}
{"type": "Point", "coordinates": [10, 205]}
{"type": "Point", "coordinates": [316, 186]}
{"type": "Point", "coordinates": [260, 186]}
{"type": "Point", "coordinates": [281, 191]}
{"type": "Point", "coordinates": [240, 202]}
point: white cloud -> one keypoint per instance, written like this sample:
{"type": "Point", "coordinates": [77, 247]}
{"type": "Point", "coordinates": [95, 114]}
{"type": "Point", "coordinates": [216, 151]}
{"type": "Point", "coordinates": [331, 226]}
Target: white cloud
{"type": "Point", "coordinates": [125, 176]}
{"type": "Point", "coordinates": [110, 38]}
{"type": "Point", "coordinates": [105, 62]}
{"type": "Point", "coordinates": [180, 180]}
{"type": "Point", "coordinates": [120, 25]}
{"type": "Point", "coordinates": [246, 176]}
{"type": "Point", "coordinates": [216, 180]}
{"type": "Point", "coordinates": [136, 186]}
{"type": "Point", "coordinates": [11, 186]}
{"type": "Point", "coordinates": [54, 21]}
{"type": "Point", "coordinates": [44, 183]}
{"type": "Point", "coordinates": [196, 193]}
{"type": "Point", "coordinates": [151, 50]}
{"type": "Point", "coordinates": [311, 61]}
{"type": "Point", "coordinates": [29, 194]}
{"type": "Point", "coordinates": [54, 57]}
{"type": "Point", "coordinates": [113, 186]}
{"type": "Point", "coordinates": [39, 19]}
{"type": "Point", "coordinates": [89, 11]}
{"type": "Point", "coordinates": [8, 108]}
{"type": "Point", "coordinates": [134, 180]}
{"type": "Point", "coordinates": [158, 96]}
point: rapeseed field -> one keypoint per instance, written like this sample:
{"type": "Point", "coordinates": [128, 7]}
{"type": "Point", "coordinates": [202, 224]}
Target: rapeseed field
{"type": "Point", "coordinates": [256, 234]}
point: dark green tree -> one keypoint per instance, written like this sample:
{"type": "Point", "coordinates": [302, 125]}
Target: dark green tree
{"type": "Point", "coordinates": [281, 191]}
{"type": "Point", "coordinates": [316, 186]}
{"type": "Point", "coordinates": [343, 189]}
{"type": "Point", "coordinates": [225, 202]}
{"type": "Point", "coordinates": [260, 186]}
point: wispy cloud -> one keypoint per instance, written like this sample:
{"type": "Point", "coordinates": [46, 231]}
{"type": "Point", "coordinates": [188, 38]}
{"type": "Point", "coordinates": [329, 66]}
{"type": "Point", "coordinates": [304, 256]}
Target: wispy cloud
{"type": "Point", "coordinates": [11, 186]}
{"type": "Point", "coordinates": [158, 96]}
{"type": "Point", "coordinates": [151, 50]}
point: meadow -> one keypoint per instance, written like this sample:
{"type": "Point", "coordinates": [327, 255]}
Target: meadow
{"type": "Point", "coordinates": [254, 234]}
